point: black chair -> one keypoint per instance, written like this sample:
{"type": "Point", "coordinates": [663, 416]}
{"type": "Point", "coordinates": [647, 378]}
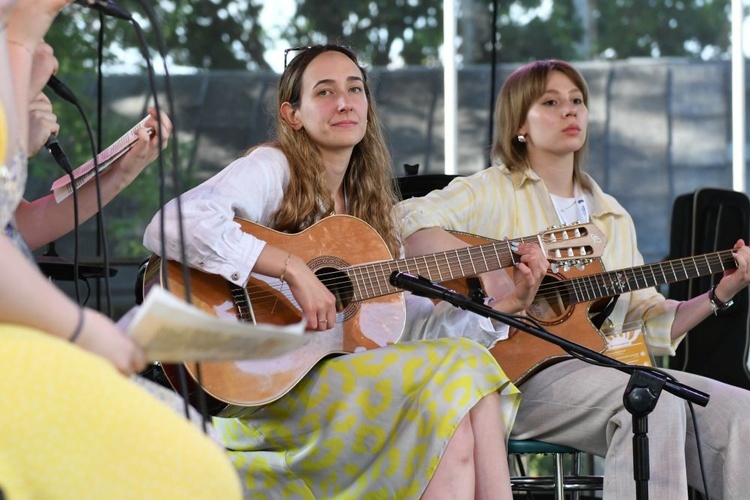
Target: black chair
{"type": "Point", "coordinates": [419, 185]}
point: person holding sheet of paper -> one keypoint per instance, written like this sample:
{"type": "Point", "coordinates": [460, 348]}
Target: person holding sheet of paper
{"type": "Point", "coordinates": [72, 425]}
{"type": "Point", "coordinates": [43, 220]}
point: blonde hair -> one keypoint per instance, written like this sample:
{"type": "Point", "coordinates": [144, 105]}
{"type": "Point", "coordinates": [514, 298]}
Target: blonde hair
{"type": "Point", "coordinates": [519, 92]}
{"type": "Point", "coordinates": [368, 182]}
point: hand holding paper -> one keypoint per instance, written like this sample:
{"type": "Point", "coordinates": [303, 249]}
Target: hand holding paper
{"type": "Point", "coordinates": [62, 187]}
{"type": "Point", "coordinates": [171, 330]}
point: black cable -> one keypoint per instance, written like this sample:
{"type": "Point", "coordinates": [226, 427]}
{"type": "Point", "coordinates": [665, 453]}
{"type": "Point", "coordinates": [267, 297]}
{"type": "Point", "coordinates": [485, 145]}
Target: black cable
{"type": "Point", "coordinates": [183, 385]}
{"type": "Point", "coordinates": [62, 161]}
{"type": "Point", "coordinates": [201, 399]}
{"type": "Point", "coordinates": [99, 143]}
{"type": "Point", "coordinates": [700, 451]}
{"type": "Point", "coordinates": [106, 7]}
{"type": "Point", "coordinates": [175, 146]}
{"type": "Point", "coordinates": [493, 68]}
{"type": "Point", "coordinates": [63, 91]}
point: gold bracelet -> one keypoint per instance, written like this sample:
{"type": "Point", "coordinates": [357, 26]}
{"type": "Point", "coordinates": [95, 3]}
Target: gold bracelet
{"type": "Point", "coordinates": [283, 269]}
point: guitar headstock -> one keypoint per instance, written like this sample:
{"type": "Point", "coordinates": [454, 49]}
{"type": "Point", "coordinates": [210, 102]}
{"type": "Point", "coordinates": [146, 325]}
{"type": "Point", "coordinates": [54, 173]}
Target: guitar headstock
{"type": "Point", "coordinates": [572, 245]}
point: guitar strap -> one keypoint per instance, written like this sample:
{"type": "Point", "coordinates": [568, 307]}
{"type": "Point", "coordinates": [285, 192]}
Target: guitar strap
{"type": "Point", "coordinates": [601, 316]}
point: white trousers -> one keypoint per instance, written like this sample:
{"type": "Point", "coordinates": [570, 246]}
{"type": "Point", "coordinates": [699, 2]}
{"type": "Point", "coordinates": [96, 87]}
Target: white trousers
{"type": "Point", "coordinates": [576, 404]}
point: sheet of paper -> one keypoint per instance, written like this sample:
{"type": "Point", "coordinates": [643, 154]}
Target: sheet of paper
{"type": "Point", "coordinates": [62, 187]}
{"type": "Point", "coordinates": [171, 330]}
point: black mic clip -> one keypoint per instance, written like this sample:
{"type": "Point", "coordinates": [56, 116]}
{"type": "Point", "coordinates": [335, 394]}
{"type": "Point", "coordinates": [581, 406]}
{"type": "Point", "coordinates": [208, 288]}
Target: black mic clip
{"type": "Point", "coordinates": [58, 154]}
{"type": "Point", "coordinates": [62, 90]}
{"type": "Point", "coordinates": [419, 285]}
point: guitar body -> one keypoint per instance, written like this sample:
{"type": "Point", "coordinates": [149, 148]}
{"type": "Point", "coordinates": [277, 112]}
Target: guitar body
{"type": "Point", "coordinates": [332, 244]}
{"type": "Point", "coordinates": [354, 263]}
{"type": "Point", "coordinates": [572, 304]}
{"type": "Point", "coordinates": [523, 354]}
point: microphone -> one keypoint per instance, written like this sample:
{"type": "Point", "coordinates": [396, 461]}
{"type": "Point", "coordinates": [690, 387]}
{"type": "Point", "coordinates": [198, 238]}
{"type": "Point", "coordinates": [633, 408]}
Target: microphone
{"type": "Point", "coordinates": [62, 90]}
{"type": "Point", "coordinates": [106, 7]}
{"type": "Point", "coordinates": [423, 287]}
{"type": "Point", "coordinates": [58, 154]}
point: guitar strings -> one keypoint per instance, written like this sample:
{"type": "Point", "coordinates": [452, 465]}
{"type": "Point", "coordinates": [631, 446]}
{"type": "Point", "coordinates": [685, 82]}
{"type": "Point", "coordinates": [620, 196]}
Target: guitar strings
{"type": "Point", "coordinates": [610, 283]}
{"type": "Point", "coordinates": [579, 289]}
{"type": "Point", "coordinates": [492, 255]}
{"type": "Point", "coordinates": [372, 279]}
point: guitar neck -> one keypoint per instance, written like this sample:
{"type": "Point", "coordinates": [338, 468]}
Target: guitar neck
{"type": "Point", "coordinates": [609, 284]}
{"type": "Point", "coordinates": [372, 280]}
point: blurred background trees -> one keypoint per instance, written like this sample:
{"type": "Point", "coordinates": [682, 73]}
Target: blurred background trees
{"type": "Point", "coordinates": [230, 34]}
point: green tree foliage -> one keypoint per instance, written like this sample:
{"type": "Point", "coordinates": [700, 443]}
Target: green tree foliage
{"type": "Point", "coordinates": [374, 27]}
{"type": "Point", "coordinates": [654, 28]}
{"type": "Point", "coordinates": [227, 34]}
{"type": "Point", "coordinates": [207, 34]}
{"type": "Point", "coordinates": [213, 34]}
{"type": "Point", "coordinates": [523, 29]}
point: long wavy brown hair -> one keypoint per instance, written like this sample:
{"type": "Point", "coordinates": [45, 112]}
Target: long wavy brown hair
{"type": "Point", "coordinates": [368, 183]}
{"type": "Point", "coordinates": [519, 92]}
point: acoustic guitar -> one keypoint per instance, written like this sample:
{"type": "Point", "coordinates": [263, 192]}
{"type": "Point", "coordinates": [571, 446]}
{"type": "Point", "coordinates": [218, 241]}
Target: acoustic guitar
{"type": "Point", "coordinates": [354, 263]}
{"type": "Point", "coordinates": [568, 299]}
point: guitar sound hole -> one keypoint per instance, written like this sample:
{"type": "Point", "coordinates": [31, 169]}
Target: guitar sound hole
{"type": "Point", "coordinates": [553, 304]}
{"type": "Point", "coordinates": [338, 284]}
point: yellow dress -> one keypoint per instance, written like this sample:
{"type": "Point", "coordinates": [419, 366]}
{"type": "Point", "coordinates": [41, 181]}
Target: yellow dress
{"type": "Point", "coordinates": [370, 425]}
{"type": "Point", "coordinates": [72, 427]}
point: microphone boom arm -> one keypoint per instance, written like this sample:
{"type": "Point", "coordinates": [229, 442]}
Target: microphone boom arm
{"type": "Point", "coordinates": [421, 286]}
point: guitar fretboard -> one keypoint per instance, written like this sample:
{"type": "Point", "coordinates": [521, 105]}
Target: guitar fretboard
{"type": "Point", "coordinates": [609, 284]}
{"type": "Point", "coordinates": [372, 280]}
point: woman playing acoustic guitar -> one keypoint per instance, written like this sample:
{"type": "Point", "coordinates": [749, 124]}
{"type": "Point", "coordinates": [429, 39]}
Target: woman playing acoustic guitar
{"type": "Point", "coordinates": [402, 421]}
{"type": "Point", "coordinates": [539, 145]}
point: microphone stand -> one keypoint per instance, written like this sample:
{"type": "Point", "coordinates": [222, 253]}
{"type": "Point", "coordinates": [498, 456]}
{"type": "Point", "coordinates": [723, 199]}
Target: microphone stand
{"type": "Point", "coordinates": [641, 394]}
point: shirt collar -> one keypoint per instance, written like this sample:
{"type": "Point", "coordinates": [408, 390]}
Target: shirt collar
{"type": "Point", "coordinates": [601, 203]}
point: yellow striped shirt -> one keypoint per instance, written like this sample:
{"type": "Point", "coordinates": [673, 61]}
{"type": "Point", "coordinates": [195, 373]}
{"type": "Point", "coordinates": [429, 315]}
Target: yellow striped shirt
{"type": "Point", "coordinates": [496, 203]}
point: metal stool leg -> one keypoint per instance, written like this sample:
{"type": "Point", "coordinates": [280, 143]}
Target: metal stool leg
{"type": "Point", "coordinates": [559, 483]}
{"type": "Point", "coordinates": [576, 472]}
{"type": "Point", "coordinates": [559, 477]}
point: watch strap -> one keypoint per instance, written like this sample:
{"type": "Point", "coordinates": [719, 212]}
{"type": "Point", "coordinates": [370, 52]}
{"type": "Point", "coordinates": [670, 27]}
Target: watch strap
{"type": "Point", "coordinates": [716, 304]}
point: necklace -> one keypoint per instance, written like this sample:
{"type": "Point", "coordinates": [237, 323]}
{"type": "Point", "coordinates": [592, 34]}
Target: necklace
{"type": "Point", "coordinates": [572, 203]}
{"type": "Point", "coordinates": [575, 208]}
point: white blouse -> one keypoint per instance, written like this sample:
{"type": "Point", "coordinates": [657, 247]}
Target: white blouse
{"type": "Point", "coordinates": [252, 188]}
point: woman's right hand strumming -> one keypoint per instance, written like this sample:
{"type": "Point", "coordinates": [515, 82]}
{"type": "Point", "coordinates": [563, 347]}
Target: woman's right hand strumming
{"type": "Point", "coordinates": [317, 302]}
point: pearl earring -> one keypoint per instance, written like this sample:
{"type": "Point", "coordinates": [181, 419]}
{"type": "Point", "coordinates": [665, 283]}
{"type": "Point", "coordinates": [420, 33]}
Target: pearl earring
{"type": "Point", "coordinates": [521, 138]}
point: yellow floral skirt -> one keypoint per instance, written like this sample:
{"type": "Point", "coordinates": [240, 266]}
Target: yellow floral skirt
{"type": "Point", "coordinates": [368, 425]}
{"type": "Point", "coordinates": [72, 427]}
